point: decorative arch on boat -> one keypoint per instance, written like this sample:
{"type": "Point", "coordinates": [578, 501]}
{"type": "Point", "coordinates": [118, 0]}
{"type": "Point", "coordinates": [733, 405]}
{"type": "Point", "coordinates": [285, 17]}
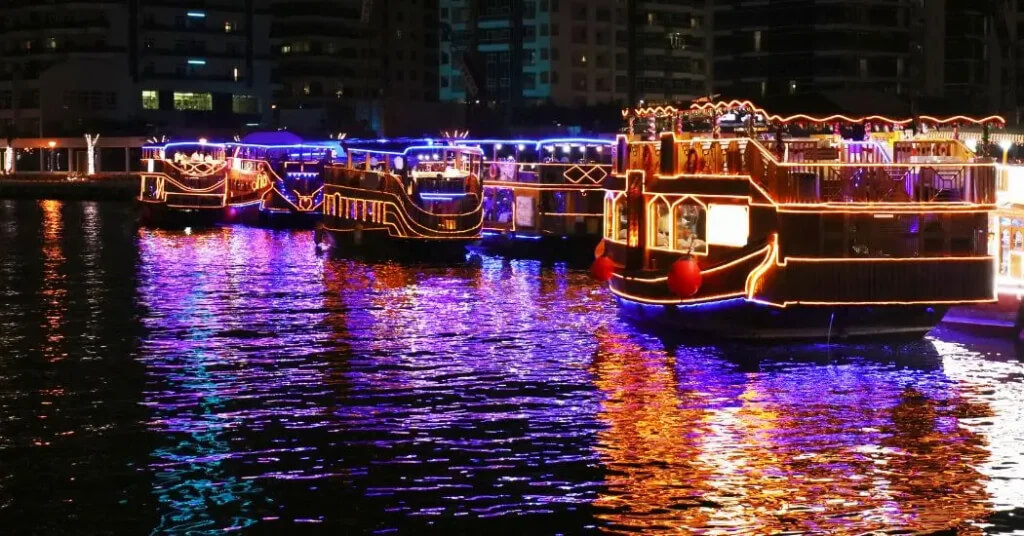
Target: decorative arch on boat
{"type": "Point", "coordinates": [620, 219]}
{"type": "Point", "coordinates": [659, 231]}
{"type": "Point", "coordinates": [689, 226]}
{"type": "Point", "coordinates": [609, 216]}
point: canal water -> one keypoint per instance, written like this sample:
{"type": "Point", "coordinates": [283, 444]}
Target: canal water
{"type": "Point", "coordinates": [235, 380]}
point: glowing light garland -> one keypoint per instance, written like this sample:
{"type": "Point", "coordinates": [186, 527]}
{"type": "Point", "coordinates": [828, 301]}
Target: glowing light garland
{"type": "Point", "coordinates": [771, 253]}
{"type": "Point", "coordinates": [720, 105]}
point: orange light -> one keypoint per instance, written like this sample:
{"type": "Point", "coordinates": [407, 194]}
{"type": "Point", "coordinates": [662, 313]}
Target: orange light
{"type": "Point", "coordinates": [409, 223]}
{"type": "Point", "coordinates": [652, 301]}
{"type": "Point", "coordinates": [662, 110]}
{"type": "Point", "coordinates": [542, 187]}
{"type": "Point", "coordinates": [52, 144]}
{"type": "Point", "coordinates": [785, 261]}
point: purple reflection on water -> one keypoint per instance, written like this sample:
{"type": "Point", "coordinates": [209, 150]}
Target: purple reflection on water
{"type": "Point", "coordinates": [275, 389]}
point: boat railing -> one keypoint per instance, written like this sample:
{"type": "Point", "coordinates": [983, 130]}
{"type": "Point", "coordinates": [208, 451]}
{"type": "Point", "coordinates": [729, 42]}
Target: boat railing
{"type": "Point", "coordinates": [572, 175]}
{"type": "Point", "coordinates": [194, 177]}
{"type": "Point", "coordinates": [943, 149]}
{"type": "Point", "coordinates": [248, 185]}
{"type": "Point", "coordinates": [937, 172]}
{"type": "Point", "coordinates": [441, 185]}
{"type": "Point", "coordinates": [817, 150]}
{"type": "Point", "coordinates": [942, 181]}
{"type": "Point", "coordinates": [385, 187]}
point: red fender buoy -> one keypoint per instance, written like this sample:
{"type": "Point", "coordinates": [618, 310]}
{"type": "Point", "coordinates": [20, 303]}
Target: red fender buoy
{"type": "Point", "coordinates": [602, 269]}
{"type": "Point", "coordinates": [684, 277]}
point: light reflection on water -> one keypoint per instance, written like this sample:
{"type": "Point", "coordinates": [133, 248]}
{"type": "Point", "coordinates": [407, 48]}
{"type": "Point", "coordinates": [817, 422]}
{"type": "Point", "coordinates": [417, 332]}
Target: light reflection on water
{"type": "Point", "coordinates": [233, 379]}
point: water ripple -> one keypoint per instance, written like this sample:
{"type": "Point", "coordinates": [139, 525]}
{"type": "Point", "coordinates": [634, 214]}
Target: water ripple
{"type": "Point", "coordinates": [232, 379]}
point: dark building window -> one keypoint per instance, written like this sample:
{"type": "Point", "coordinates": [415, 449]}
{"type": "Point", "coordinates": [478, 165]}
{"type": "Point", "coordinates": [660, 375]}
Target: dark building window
{"type": "Point", "coordinates": [245, 104]}
{"type": "Point", "coordinates": [579, 35]}
{"type": "Point", "coordinates": [529, 80]}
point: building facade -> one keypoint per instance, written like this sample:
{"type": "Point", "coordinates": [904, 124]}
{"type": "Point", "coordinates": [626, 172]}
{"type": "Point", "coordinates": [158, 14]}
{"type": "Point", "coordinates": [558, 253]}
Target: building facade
{"type": "Point", "coordinates": [200, 64]}
{"type": "Point", "coordinates": [970, 53]}
{"type": "Point", "coordinates": [133, 65]}
{"type": "Point", "coordinates": [787, 47]}
{"type": "Point", "coordinates": [353, 65]}
{"type": "Point", "coordinates": [573, 53]}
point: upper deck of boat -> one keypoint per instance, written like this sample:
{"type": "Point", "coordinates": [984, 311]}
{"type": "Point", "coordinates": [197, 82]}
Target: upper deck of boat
{"type": "Point", "coordinates": [821, 170]}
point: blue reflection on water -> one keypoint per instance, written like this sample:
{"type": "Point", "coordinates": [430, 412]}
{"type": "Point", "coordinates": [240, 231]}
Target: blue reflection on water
{"type": "Point", "coordinates": [281, 391]}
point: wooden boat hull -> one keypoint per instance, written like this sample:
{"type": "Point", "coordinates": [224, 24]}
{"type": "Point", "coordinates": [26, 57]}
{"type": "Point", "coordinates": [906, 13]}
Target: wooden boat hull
{"type": "Point", "coordinates": [992, 320]}
{"type": "Point", "coordinates": [160, 215]}
{"type": "Point", "coordinates": [289, 219]}
{"type": "Point", "coordinates": [378, 244]}
{"type": "Point", "coordinates": [577, 249]}
{"type": "Point", "coordinates": [741, 319]}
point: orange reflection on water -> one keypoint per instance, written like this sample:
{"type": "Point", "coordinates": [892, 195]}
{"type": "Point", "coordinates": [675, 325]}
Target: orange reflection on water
{"type": "Point", "coordinates": [657, 478]}
{"type": "Point", "coordinates": [702, 447]}
{"type": "Point", "coordinates": [53, 289]}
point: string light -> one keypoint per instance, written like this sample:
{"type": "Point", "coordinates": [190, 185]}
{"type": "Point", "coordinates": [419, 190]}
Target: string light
{"type": "Point", "coordinates": [712, 106]}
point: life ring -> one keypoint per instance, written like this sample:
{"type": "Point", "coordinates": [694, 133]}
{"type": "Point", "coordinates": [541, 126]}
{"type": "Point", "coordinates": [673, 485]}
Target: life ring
{"type": "Point", "coordinates": [492, 172]}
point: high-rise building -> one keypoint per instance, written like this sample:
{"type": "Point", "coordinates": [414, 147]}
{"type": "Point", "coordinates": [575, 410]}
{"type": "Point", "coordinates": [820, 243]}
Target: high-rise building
{"type": "Point", "coordinates": [130, 65]}
{"type": "Point", "coordinates": [69, 62]}
{"type": "Point", "coordinates": [789, 47]}
{"type": "Point", "coordinates": [353, 65]}
{"type": "Point", "coordinates": [673, 49]}
{"type": "Point", "coordinates": [573, 52]}
{"type": "Point", "coordinates": [968, 53]}
{"type": "Point", "coordinates": [201, 63]}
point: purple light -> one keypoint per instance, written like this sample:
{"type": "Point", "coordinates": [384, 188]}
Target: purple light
{"type": "Point", "coordinates": [180, 143]}
{"type": "Point", "coordinates": [441, 197]}
{"type": "Point", "coordinates": [537, 144]}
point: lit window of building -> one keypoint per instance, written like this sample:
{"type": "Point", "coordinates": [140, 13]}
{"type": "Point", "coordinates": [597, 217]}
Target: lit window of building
{"type": "Point", "coordinates": [202, 102]}
{"type": "Point", "coordinates": [150, 99]}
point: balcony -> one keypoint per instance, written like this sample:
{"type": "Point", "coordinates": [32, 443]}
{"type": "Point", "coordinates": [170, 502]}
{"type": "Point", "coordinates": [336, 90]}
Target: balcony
{"type": "Point", "coordinates": [43, 53]}
{"type": "Point", "coordinates": [196, 77]}
{"type": "Point", "coordinates": [24, 26]}
{"type": "Point", "coordinates": [236, 33]}
{"type": "Point", "coordinates": [224, 6]}
{"type": "Point", "coordinates": [186, 53]}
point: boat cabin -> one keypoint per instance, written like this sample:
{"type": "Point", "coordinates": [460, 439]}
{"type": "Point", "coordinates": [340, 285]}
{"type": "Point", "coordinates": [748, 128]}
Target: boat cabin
{"type": "Point", "coordinates": [548, 187]}
{"type": "Point", "coordinates": [420, 192]}
{"type": "Point", "coordinates": [293, 171]}
{"type": "Point", "coordinates": [790, 210]}
{"type": "Point", "coordinates": [186, 174]}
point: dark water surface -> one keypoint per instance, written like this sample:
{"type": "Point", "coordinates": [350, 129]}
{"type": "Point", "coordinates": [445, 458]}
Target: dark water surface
{"type": "Point", "coordinates": [158, 382]}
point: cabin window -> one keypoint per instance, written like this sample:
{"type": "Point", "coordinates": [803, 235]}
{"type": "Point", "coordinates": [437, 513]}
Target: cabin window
{"type": "Point", "coordinates": [609, 221]}
{"type": "Point", "coordinates": [689, 229]}
{"type": "Point", "coordinates": [660, 231]}
{"type": "Point", "coordinates": [728, 225]}
{"type": "Point", "coordinates": [622, 222]}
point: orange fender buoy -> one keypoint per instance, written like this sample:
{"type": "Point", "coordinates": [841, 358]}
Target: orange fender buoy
{"type": "Point", "coordinates": [684, 277]}
{"type": "Point", "coordinates": [602, 269]}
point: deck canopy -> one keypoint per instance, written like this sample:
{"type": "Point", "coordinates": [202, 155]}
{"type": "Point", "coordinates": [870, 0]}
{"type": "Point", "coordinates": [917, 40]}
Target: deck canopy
{"type": "Point", "coordinates": [808, 112]}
